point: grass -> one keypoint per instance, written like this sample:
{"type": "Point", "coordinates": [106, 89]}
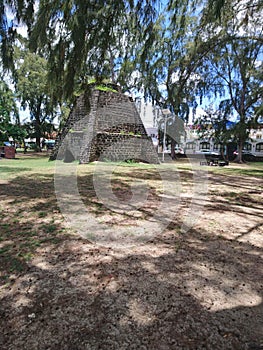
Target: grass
{"type": "Point", "coordinates": [25, 164]}
{"type": "Point", "coordinates": [234, 169]}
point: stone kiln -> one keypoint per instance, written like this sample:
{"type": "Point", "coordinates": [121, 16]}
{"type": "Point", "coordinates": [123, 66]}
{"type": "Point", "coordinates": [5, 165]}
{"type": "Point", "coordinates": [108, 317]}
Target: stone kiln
{"type": "Point", "coordinates": [104, 125]}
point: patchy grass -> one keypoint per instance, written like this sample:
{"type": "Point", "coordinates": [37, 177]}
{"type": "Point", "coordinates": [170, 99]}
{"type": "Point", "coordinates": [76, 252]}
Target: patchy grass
{"type": "Point", "coordinates": [30, 217]}
{"type": "Point", "coordinates": [234, 169]}
{"type": "Point", "coordinates": [29, 214]}
{"type": "Point", "coordinates": [25, 164]}
{"type": "Point", "coordinates": [247, 169]}
{"type": "Point", "coordinates": [57, 287]}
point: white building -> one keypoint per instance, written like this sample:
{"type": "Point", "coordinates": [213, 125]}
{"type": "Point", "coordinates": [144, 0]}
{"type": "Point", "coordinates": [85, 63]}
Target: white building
{"type": "Point", "coordinates": [193, 143]}
{"type": "Point", "coordinates": [150, 115]}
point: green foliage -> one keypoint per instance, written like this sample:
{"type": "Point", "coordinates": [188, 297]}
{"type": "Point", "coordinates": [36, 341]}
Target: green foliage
{"type": "Point", "coordinates": [104, 88]}
{"type": "Point", "coordinates": [81, 38]}
{"type": "Point", "coordinates": [34, 93]}
{"type": "Point", "coordinates": [8, 111]}
{"type": "Point", "coordinates": [235, 76]}
{"type": "Point", "coordinates": [130, 133]}
{"type": "Point", "coordinates": [7, 102]}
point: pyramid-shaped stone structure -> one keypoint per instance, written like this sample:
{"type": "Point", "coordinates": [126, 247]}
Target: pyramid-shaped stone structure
{"type": "Point", "coordinates": [104, 125]}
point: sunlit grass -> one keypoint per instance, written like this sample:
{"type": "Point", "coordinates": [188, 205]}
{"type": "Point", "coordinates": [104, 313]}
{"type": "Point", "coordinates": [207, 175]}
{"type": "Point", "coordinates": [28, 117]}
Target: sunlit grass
{"type": "Point", "coordinates": [25, 164]}
{"type": "Point", "coordinates": [247, 169]}
{"type": "Point", "coordinates": [234, 169]}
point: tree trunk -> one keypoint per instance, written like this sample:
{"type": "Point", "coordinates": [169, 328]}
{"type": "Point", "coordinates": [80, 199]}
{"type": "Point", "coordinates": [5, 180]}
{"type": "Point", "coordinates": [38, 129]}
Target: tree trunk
{"type": "Point", "coordinates": [38, 144]}
{"type": "Point", "coordinates": [239, 158]}
{"type": "Point", "coordinates": [223, 152]}
{"type": "Point", "coordinates": [38, 128]}
{"type": "Point", "coordinates": [172, 149]}
{"type": "Point", "coordinates": [25, 147]}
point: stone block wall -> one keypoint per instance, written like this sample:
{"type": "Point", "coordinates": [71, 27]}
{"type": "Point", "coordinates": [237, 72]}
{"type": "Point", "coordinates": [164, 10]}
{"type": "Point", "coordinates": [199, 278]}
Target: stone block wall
{"type": "Point", "coordinates": [105, 125]}
{"type": "Point", "coordinates": [122, 147]}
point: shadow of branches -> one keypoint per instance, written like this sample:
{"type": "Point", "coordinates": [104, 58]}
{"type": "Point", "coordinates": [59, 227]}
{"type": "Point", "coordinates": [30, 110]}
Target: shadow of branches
{"type": "Point", "coordinates": [191, 295]}
{"type": "Point", "coordinates": [180, 291]}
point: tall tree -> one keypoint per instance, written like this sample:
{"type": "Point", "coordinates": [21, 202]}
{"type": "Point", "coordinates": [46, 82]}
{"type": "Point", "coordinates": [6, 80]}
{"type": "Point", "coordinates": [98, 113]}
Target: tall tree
{"type": "Point", "coordinates": [233, 69]}
{"type": "Point", "coordinates": [78, 38]}
{"type": "Point", "coordinates": [167, 71]}
{"type": "Point", "coordinates": [8, 111]}
{"type": "Point", "coordinates": [237, 75]}
{"type": "Point", "coordinates": [33, 91]}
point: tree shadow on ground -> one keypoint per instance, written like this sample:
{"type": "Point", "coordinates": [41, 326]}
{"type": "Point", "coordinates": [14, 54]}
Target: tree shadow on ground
{"type": "Point", "coordinates": [179, 291]}
{"type": "Point", "coordinates": [34, 195]}
{"type": "Point", "coordinates": [77, 296]}
{"type": "Point", "coordinates": [30, 218]}
{"type": "Point", "coordinates": [246, 182]}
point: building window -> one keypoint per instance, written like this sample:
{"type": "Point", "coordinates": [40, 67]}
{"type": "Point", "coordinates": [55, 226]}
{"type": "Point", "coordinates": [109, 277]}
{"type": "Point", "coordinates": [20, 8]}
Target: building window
{"type": "Point", "coordinates": [247, 146]}
{"type": "Point", "coordinates": [218, 147]}
{"type": "Point", "coordinates": [259, 147]}
{"type": "Point", "coordinates": [190, 145]}
{"type": "Point", "coordinates": [204, 145]}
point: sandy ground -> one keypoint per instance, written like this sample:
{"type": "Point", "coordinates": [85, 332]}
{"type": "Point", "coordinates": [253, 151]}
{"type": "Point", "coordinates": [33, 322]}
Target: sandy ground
{"type": "Point", "coordinates": [198, 289]}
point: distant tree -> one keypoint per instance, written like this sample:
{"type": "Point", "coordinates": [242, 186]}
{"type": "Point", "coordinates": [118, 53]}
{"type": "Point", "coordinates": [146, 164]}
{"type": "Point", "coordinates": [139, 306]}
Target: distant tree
{"type": "Point", "coordinates": [33, 91]}
{"type": "Point", "coordinates": [215, 125]}
{"type": "Point", "coordinates": [8, 111]}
